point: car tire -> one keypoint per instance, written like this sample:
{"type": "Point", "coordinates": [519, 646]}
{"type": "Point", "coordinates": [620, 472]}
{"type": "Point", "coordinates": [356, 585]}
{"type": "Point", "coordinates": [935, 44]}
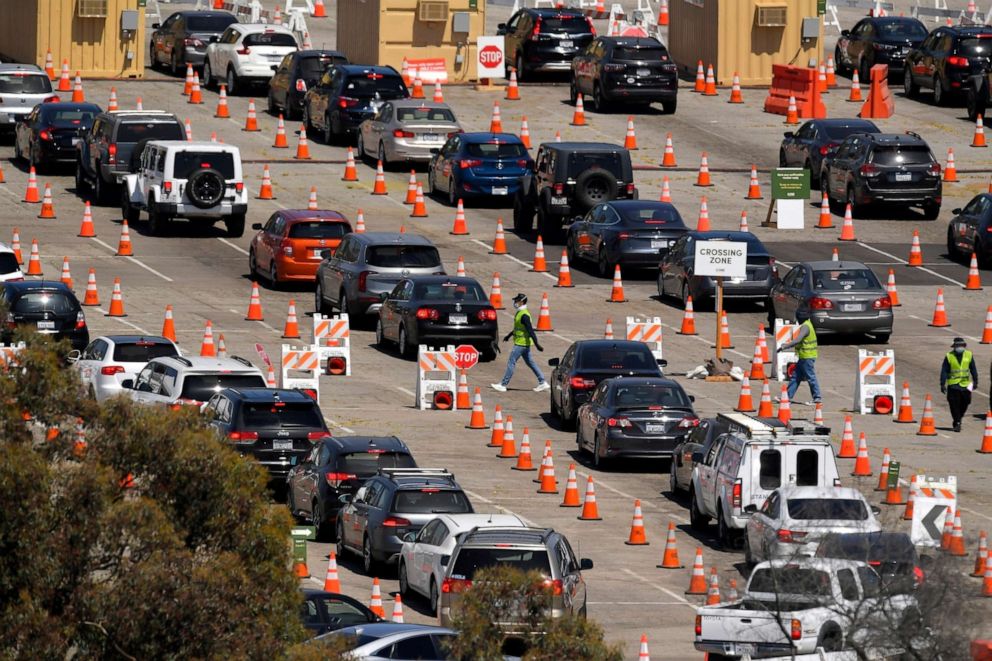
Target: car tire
{"type": "Point", "coordinates": [696, 518]}
{"type": "Point", "coordinates": [523, 215]}
{"type": "Point", "coordinates": [152, 62]}
{"type": "Point", "coordinates": [554, 408]}
{"type": "Point", "coordinates": [952, 249]}
{"type": "Point", "coordinates": [568, 421]}
{"type": "Point", "coordinates": [909, 86]}
{"type": "Point", "coordinates": [380, 336]}
{"type": "Point", "coordinates": [830, 640]}
{"type": "Point", "coordinates": [518, 65]}
{"type": "Point", "coordinates": [864, 72]}
{"type": "Point", "coordinates": [369, 563]}
{"type": "Point", "coordinates": [270, 105]}
{"type": "Point", "coordinates": [207, 73]}
{"type": "Point", "coordinates": [406, 351]}
{"type": "Point", "coordinates": [857, 210]}
{"type": "Point", "coordinates": [273, 275]}
{"type": "Point", "coordinates": [603, 265]}
{"type": "Point", "coordinates": [435, 601]}
{"type": "Point", "coordinates": [939, 95]}
{"type": "Point", "coordinates": [669, 107]}
{"type": "Point", "coordinates": [205, 188]}
{"type": "Point", "coordinates": [673, 479]}
{"type": "Point", "coordinates": [157, 221]}
{"type": "Point", "coordinates": [129, 212]}
{"type": "Point", "coordinates": [825, 188]}
{"type": "Point", "coordinates": [403, 580]}
{"type": "Point", "coordinates": [252, 271]}
{"type": "Point", "coordinates": [431, 186]}
{"type": "Point", "coordinates": [770, 310]}
{"type": "Point", "coordinates": [340, 548]}
{"type": "Point", "coordinates": [882, 338]}
{"type": "Point", "coordinates": [360, 152]}
{"type": "Point", "coordinates": [381, 155]}
{"type": "Point", "coordinates": [233, 82]}
{"type": "Point", "coordinates": [452, 192]}
{"type": "Point", "coordinates": [931, 211]}
{"type": "Point", "coordinates": [174, 64]}
{"type": "Point", "coordinates": [839, 65]}
{"type": "Point", "coordinates": [489, 354]}
{"type": "Point", "coordinates": [101, 190]}
{"type": "Point", "coordinates": [308, 121]}
{"type": "Point", "coordinates": [573, 93]}
{"type": "Point", "coordinates": [318, 521]}
{"type": "Point", "coordinates": [345, 306]}
{"type": "Point", "coordinates": [723, 532]}
{"type": "Point", "coordinates": [976, 103]}
{"type": "Point", "coordinates": [235, 225]}
{"type": "Point", "coordinates": [594, 187]}
{"type": "Point", "coordinates": [329, 133]}
{"type": "Point", "coordinates": [570, 249]}
{"type": "Point", "coordinates": [686, 293]}
{"type": "Point", "coordinates": [782, 162]}
{"type": "Point", "coordinates": [81, 184]}
{"type": "Point", "coordinates": [548, 229]}
{"type": "Point", "coordinates": [598, 462]}
{"type": "Point", "coordinates": [748, 556]}
{"type": "Point", "coordinates": [599, 99]}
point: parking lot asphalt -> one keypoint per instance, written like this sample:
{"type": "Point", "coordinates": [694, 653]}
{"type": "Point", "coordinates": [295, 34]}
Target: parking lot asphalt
{"type": "Point", "coordinates": [204, 276]}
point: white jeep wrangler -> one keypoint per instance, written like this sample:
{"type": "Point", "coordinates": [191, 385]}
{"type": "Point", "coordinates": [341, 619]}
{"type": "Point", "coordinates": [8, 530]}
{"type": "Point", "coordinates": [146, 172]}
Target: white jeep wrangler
{"type": "Point", "coordinates": [201, 181]}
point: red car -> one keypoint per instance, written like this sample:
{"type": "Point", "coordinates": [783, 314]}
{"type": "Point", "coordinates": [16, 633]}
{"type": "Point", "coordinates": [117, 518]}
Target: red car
{"type": "Point", "coordinates": [289, 246]}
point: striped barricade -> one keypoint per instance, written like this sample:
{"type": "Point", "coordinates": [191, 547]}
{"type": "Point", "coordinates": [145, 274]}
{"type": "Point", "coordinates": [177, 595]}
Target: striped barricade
{"type": "Point", "coordinates": [332, 337]}
{"type": "Point", "coordinates": [437, 376]}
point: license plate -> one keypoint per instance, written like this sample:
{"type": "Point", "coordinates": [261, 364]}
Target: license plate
{"type": "Point", "coordinates": [46, 325]}
{"type": "Point", "coordinates": [744, 648]}
{"type": "Point", "coordinates": [282, 445]}
{"type": "Point", "coordinates": [458, 318]}
{"type": "Point", "coordinates": [654, 428]}
{"type": "Point", "coordinates": [644, 72]}
{"type": "Point", "coordinates": [315, 254]}
{"type": "Point", "coordinates": [567, 44]}
{"type": "Point", "coordinates": [737, 281]}
{"type": "Point", "coordinates": [851, 307]}
{"type": "Point", "coordinates": [559, 201]}
{"type": "Point", "coordinates": [500, 190]}
{"type": "Point", "coordinates": [659, 244]}
{"type": "Point", "coordinates": [431, 137]}
{"type": "Point", "coordinates": [76, 141]}
{"type": "Point", "coordinates": [904, 176]}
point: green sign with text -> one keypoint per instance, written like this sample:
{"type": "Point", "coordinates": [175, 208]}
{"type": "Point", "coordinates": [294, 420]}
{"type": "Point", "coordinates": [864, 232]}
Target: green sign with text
{"type": "Point", "coordinates": [893, 475]}
{"type": "Point", "coordinates": [790, 184]}
{"type": "Point", "coordinates": [300, 535]}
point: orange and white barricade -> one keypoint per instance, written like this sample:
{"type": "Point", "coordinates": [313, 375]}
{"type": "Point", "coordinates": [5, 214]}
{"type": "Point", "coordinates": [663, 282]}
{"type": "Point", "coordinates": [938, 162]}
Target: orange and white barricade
{"type": "Point", "coordinates": [875, 386]}
{"type": "Point", "coordinates": [301, 369]}
{"type": "Point", "coordinates": [332, 337]}
{"type": "Point", "coordinates": [785, 360]}
{"type": "Point", "coordinates": [437, 379]}
{"type": "Point", "coordinates": [8, 354]}
{"type": "Point", "coordinates": [932, 500]}
{"type": "Point", "coordinates": [647, 330]}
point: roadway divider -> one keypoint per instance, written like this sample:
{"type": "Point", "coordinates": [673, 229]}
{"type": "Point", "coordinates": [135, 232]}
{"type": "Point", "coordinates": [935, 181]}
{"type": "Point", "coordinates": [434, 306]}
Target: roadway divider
{"type": "Point", "coordinates": [437, 375]}
{"type": "Point", "coordinates": [880, 103]}
{"type": "Point", "coordinates": [332, 337]}
{"type": "Point", "coordinates": [799, 83]}
{"type": "Point", "coordinates": [647, 330]}
{"type": "Point", "coordinates": [301, 369]}
{"type": "Point", "coordinates": [875, 389]}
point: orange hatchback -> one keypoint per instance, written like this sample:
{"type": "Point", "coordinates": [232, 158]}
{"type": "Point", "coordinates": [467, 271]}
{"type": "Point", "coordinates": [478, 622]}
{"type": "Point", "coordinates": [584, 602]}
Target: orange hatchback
{"type": "Point", "coordinates": [288, 247]}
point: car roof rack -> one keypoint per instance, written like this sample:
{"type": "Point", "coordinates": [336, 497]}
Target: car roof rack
{"type": "Point", "coordinates": [243, 361]}
{"type": "Point", "coordinates": [416, 472]}
{"type": "Point", "coordinates": [753, 428]}
{"type": "Point", "coordinates": [181, 359]}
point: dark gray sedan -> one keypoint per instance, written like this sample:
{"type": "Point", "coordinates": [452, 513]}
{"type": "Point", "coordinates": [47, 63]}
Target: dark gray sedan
{"type": "Point", "coordinates": [806, 147]}
{"type": "Point", "coordinates": [841, 297]}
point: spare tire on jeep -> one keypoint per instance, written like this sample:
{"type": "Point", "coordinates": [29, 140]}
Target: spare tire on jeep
{"type": "Point", "coordinates": [205, 188]}
{"type": "Point", "coordinates": [594, 187]}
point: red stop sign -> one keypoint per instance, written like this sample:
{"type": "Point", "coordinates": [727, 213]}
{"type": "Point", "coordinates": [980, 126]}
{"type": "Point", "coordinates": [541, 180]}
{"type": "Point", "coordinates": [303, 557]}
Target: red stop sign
{"type": "Point", "coordinates": [466, 356]}
{"type": "Point", "coordinates": [490, 56]}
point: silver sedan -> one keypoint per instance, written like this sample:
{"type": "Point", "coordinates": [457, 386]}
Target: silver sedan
{"type": "Point", "coordinates": [406, 130]}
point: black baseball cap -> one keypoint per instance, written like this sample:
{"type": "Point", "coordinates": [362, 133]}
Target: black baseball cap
{"type": "Point", "coordinates": [520, 298]}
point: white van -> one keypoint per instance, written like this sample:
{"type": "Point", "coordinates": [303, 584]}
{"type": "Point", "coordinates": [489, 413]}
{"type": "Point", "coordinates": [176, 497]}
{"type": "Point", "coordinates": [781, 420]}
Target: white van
{"type": "Point", "coordinates": [751, 459]}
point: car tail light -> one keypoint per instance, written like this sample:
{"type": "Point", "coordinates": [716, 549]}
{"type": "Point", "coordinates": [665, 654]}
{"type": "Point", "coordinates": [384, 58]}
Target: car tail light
{"type": "Point", "coordinates": [578, 383]}
{"type": "Point", "coordinates": [428, 313]}
{"type": "Point", "coordinates": [771, 262]}
{"type": "Point", "coordinates": [347, 102]}
{"type": "Point", "coordinates": [454, 133]}
{"type": "Point", "coordinates": [556, 586]}
{"type": "Point", "coordinates": [167, 187]}
{"type": "Point", "coordinates": [623, 236]}
{"type": "Point", "coordinates": [699, 625]}
{"type": "Point", "coordinates": [489, 314]}
{"type": "Point", "coordinates": [455, 585]}
{"type": "Point", "coordinates": [189, 41]}
{"type": "Point", "coordinates": [301, 85]}
{"type": "Point", "coordinates": [884, 303]}
{"type": "Point", "coordinates": [335, 479]}
{"type": "Point", "coordinates": [796, 629]}
{"type": "Point", "coordinates": [52, 99]}
{"type": "Point", "coordinates": [559, 189]}
{"type": "Point", "coordinates": [467, 163]}
{"type": "Point", "coordinates": [317, 435]}
{"type": "Point", "coordinates": [363, 280]}
{"type": "Point", "coordinates": [618, 422]}
{"type": "Point", "coordinates": [522, 162]}
{"type": "Point", "coordinates": [112, 154]}
{"type": "Point", "coordinates": [400, 133]}
{"type": "Point", "coordinates": [868, 170]}
{"type": "Point", "coordinates": [536, 32]}
{"type": "Point", "coordinates": [688, 422]}
{"type": "Point", "coordinates": [395, 522]}
{"type": "Point", "coordinates": [957, 61]}
{"type": "Point", "coordinates": [239, 186]}
{"type": "Point", "coordinates": [242, 436]}
{"type": "Point", "coordinates": [825, 149]}
{"type": "Point", "coordinates": [614, 67]}
{"type": "Point", "coordinates": [244, 50]}
{"type": "Point", "coordinates": [791, 536]}
{"type": "Point", "coordinates": [110, 370]}
{"type": "Point", "coordinates": [45, 134]}
{"type": "Point", "coordinates": [11, 322]}
{"type": "Point", "coordinates": [934, 169]}
{"type": "Point", "coordinates": [819, 303]}
{"type": "Point", "coordinates": [80, 320]}
{"type": "Point", "coordinates": [286, 246]}
{"type": "Point", "coordinates": [918, 576]}
{"type": "Point", "coordinates": [311, 393]}
{"type": "Point", "coordinates": [735, 495]}
{"type": "Point", "coordinates": [630, 189]}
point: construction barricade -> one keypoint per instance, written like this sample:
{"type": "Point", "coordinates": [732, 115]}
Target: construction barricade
{"type": "Point", "coordinates": [301, 369]}
{"type": "Point", "coordinates": [933, 500]}
{"type": "Point", "coordinates": [785, 360]}
{"type": "Point", "coordinates": [437, 379]}
{"type": "Point", "coordinates": [880, 103]}
{"type": "Point", "coordinates": [8, 354]}
{"type": "Point", "coordinates": [647, 330]}
{"type": "Point", "coordinates": [332, 337]}
{"type": "Point", "coordinates": [798, 83]}
{"type": "Point", "coordinates": [875, 384]}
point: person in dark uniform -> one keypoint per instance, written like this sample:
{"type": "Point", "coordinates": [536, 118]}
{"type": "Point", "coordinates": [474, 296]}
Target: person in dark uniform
{"type": "Point", "coordinates": [958, 377]}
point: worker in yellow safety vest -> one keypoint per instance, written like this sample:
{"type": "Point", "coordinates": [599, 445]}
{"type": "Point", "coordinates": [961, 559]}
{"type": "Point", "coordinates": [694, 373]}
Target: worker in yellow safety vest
{"type": "Point", "coordinates": [524, 338]}
{"type": "Point", "coordinates": [805, 344]}
{"type": "Point", "coordinates": [958, 377]}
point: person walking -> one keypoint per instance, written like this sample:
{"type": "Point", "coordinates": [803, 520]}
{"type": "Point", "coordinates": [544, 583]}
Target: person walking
{"type": "Point", "coordinates": [958, 377]}
{"type": "Point", "coordinates": [524, 338]}
{"type": "Point", "coordinates": [806, 352]}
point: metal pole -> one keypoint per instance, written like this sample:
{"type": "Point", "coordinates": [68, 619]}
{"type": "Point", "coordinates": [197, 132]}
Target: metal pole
{"type": "Point", "coordinates": [719, 315]}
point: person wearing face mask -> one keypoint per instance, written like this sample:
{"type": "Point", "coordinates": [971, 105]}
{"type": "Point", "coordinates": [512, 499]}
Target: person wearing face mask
{"type": "Point", "coordinates": [958, 377]}
{"type": "Point", "coordinates": [524, 338]}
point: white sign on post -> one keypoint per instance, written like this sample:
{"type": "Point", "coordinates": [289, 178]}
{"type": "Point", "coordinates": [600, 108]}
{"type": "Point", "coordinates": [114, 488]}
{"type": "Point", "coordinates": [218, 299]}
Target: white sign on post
{"type": "Point", "coordinates": [490, 57]}
{"type": "Point", "coordinates": [727, 259]}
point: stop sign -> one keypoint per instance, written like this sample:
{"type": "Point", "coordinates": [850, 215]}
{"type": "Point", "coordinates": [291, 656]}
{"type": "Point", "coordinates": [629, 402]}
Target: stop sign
{"type": "Point", "coordinates": [466, 356]}
{"type": "Point", "coordinates": [491, 56]}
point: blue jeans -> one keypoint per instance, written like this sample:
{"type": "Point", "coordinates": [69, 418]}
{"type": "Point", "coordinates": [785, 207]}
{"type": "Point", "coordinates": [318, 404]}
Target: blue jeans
{"type": "Point", "coordinates": [805, 371]}
{"type": "Point", "coordinates": [516, 354]}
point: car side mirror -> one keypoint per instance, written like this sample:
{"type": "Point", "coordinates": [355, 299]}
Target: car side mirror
{"type": "Point", "coordinates": [156, 26]}
{"type": "Point", "coordinates": [789, 134]}
{"type": "Point", "coordinates": [661, 362]}
{"type": "Point", "coordinates": [275, 67]}
{"type": "Point", "coordinates": [751, 509]}
{"type": "Point", "coordinates": [344, 498]}
{"type": "Point", "coordinates": [956, 211]}
{"type": "Point", "coordinates": [876, 510]}
{"type": "Point", "coordinates": [326, 254]}
{"type": "Point", "coordinates": [692, 398]}
{"type": "Point", "coordinates": [409, 537]}
{"type": "Point", "coordinates": [383, 296]}
{"type": "Point", "coordinates": [127, 383]}
{"type": "Point", "coordinates": [697, 457]}
{"type": "Point", "coordinates": [585, 564]}
{"type": "Point", "coordinates": [554, 362]}
{"type": "Point", "coordinates": [214, 39]}
{"type": "Point", "coordinates": [256, 226]}
{"type": "Point", "coordinates": [435, 150]}
{"type": "Point", "coordinates": [576, 219]}
{"type": "Point", "coordinates": [73, 356]}
{"type": "Point", "coordinates": [501, 28]}
{"type": "Point", "coordinates": [845, 33]}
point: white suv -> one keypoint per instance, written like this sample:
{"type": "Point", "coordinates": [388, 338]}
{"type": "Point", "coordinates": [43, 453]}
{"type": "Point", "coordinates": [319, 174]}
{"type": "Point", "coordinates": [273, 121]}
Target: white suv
{"type": "Point", "coordinates": [22, 87]}
{"type": "Point", "coordinates": [195, 180]}
{"type": "Point", "coordinates": [193, 380]}
{"type": "Point", "coordinates": [246, 53]}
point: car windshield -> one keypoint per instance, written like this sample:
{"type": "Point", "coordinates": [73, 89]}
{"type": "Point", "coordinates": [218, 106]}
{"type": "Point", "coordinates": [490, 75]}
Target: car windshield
{"type": "Point", "coordinates": [790, 580]}
{"type": "Point", "coordinates": [270, 39]}
{"type": "Point", "coordinates": [449, 291]}
{"type": "Point", "coordinates": [68, 117]}
{"type": "Point", "coordinates": [564, 24]}
{"type": "Point", "coordinates": [135, 131]}
{"type": "Point", "coordinates": [201, 387]}
{"type": "Point", "coordinates": [838, 133]}
{"type": "Point", "coordinates": [24, 83]}
{"type": "Point", "coordinates": [259, 415]}
{"type": "Point", "coordinates": [43, 301]}
{"type": "Point", "coordinates": [874, 546]}
{"type": "Point", "coordinates": [901, 30]}
{"type": "Point", "coordinates": [580, 161]}
{"type": "Point", "coordinates": [440, 115]}
{"type": "Point", "coordinates": [430, 500]}
{"type": "Point", "coordinates": [845, 280]}
{"type": "Point", "coordinates": [366, 86]}
{"type": "Point", "coordinates": [902, 155]}
{"type": "Point", "coordinates": [653, 216]}
{"type": "Point", "coordinates": [8, 263]}
{"type": "Point", "coordinates": [369, 463]}
{"type": "Point", "coordinates": [403, 257]}
{"type": "Point", "coordinates": [315, 229]}
{"type": "Point", "coordinates": [650, 395]}
{"type": "Point", "coordinates": [496, 149]}
{"type": "Point", "coordinates": [311, 68]}
{"type": "Point", "coordinates": [976, 47]}
{"type": "Point", "coordinates": [471, 560]}
{"type": "Point", "coordinates": [610, 358]}
{"type": "Point", "coordinates": [627, 54]}
{"type": "Point", "coordinates": [834, 509]}
{"type": "Point", "coordinates": [208, 23]}
{"type": "Point", "coordinates": [188, 162]}
{"type": "Point", "coordinates": [321, 609]}
{"type": "Point", "coordinates": [142, 351]}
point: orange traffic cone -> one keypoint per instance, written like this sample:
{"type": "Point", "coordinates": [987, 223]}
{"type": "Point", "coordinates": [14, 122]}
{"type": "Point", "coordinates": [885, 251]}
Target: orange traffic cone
{"type": "Point", "coordinates": [77, 90]}
{"type": "Point", "coordinates": [893, 495]}
{"type": "Point", "coordinates": [818, 414]}
{"type": "Point", "coordinates": [302, 146]}
{"type": "Point", "coordinates": [735, 90]}
{"type": "Point", "coordinates": [540, 264]}
{"type": "Point", "coordinates": [950, 171]}
{"type": "Point", "coordinates": [91, 299]}
{"type": "Point", "coordinates": [763, 343]}
{"type": "Point", "coordinates": [915, 252]}
{"type": "Point", "coordinates": [905, 406]}
{"type": "Point", "coordinates": [112, 104]}
{"type": "Point", "coordinates": [524, 459]}
{"type": "Point", "coordinates": [713, 592]}
{"type": "Point", "coordinates": [928, 427]}
{"type": "Point", "coordinates": [579, 116]}
{"type": "Point", "coordinates": [418, 86]}
{"type": "Point", "coordinates": [987, 578]}
{"type": "Point", "coordinates": [666, 190]}
{"type": "Point", "coordinates": [571, 498]}
{"type": "Point", "coordinates": [709, 88]}
{"type": "Point", "coordinates": [725, 341]}
{"type": "Point", "coordinates": [411, 188]}
{"type": "Point", "coordinates": [512, 89]}
{"type": "Point", "coordinates": [784, 406]}
{"type": "Point", "coordinates": [668, 159]}
{"type": "Point", "coordinates": [31, 193]}
{"type": "Point", "coordinates": [34, 261]}
{"type": "Point", "coordinates": [754, 188]}
{"type": "Point", "coordinates": [688, 319]}
{"type": "Point", "coordinates": [826, 219]}
{"type": "Point", "coordinates": [65, 85]}
{"type": "Point", "coordinates": [478, 417]}
{"type": "Point", "coordinates": [548, 482]}
{"type": "Point", "coordinates": [49, 65]}
{"type": "Point", "coordinates": [47, 206]}
{"type": "Point", "coordinates": [637, 537]}
{"type": "Point", "coordinates": [630, 140]}
{"type": "Point", "coordinates": [499, 242]}
{"type": "Point", "coordinates": [221, 347]}
{"type": "Point", "coordinates": [524, 132]}
{"type": "Point", "coordinates": [116, 301]}
{"type": "Point", "coordinates": [195, 95]}
{"type": "Point", "coordinates": [974, 282]}
{"type": "Point", "coordinates": [544, 317]}
{"type": "Point", "coordinates": [890, 289]}
{"type": "Point", "coordinates": [957, 540]}
{"type": "Point", "coordinates": [222, 110]}
{"type": "Point", "coordinates": [670, 558]}
{"type": "Point", "coordinates": [397, 616]}
{"type": "Point", "coordinates": [663, 17]}
{"type": "Point", "coordinates": [792, 112]}
{"type": "Point", "coordinates": [643, 654]}
{"type": "Point", "coordinates": [608, 330]}
{"type": "Point", "coordinates": [703, 222]}
{"type": "Point", "coordinates": [496, 121]}
{"type": "Point", "coordinates": [207, 349]}
{"type": "Point", "coordinates": [496, 293]}
{"type": "Point", "coordinates": [590, 510]}
{"type": "Point", "coordinates": [703, 178]}
{"type": "Point", "coordinates": [765, 409]}
{"type": "Point", "coordinates": [855, 95]}
{"type": "Point", "coordinates": [282, 143]}
{"type": "Point", "coordinates": [169, 325]}
{"type": "Point", "coordinates": [459, 227]}
{"type": "Point", "coordinates": [883, 474]}
{"type": "Point", "coordinates": [700, 85]}
{"type": "Point", "coordinates": [460, 269]}
{"type": "Point", "coordinates": [251, 121]}
{"type": "Point", "coordinates": [332, 583]}
{"type": "Point", "coordinates": [375, 603]}
{"type": "Point", "coordinates": [312, 200]}
{"type": "Point", "coordinates": [265, 190]}
{"type": "Point", "coordinates": [847, 447]}
{"type": "Point", "coordinates": [291, 329]}
{"type": "Point", "coordinates": [189, 130]}
{"type": "Point", "coordinates": [948, 532]}
{"type": "Point", "coordinates": [979, 139]}
{"type": "Point", "coordinates": [508, 449]}
{"type": "Point", "coordinates": [847, 229]}
{"type": "Point", "coordinates": [862, 464]}
{"type": "Point", "coordinates": [419, 207]}
{"type": "Point", "coordinates": [697, 582]}
{"type": "Point", "coordinates": [987, 330]}
{"type": "Point", "coordinates": [821, 79]}
{"type": "Point", "coordinates": [831, 72]}
{"type": "Point", "coordinates": [564, 273]}
{"type": "Point", "coordinates": [983, 551]}
{"type": "Point", "coordinates": [986, 447]}
{"type": "Point", "coordinates": [496, 437]}
{"type": "Point", "coordinates": [188, 85]}
{"type": "Point", "coordinates": [379, 186]}
{"type": "Point", "coordinates": [66, 277]}
{"type": "Point", "coordinates": [254, 305]}
{"type": "Point", "coordinates": [907, 514]}
{"type": "Point", "coordinates": [300, 569]}
{"type": "Point", "coordinates": [939, 313]}
{"type": "Point", "coordinates": [757, 363]}
{"type": "Point", "coordinates": [319, 12]}
{"type": "Point", "coordinates": [616, 294]}
{"type": "Point", "coordinates": [87, 229]}
{"type": "Point", "coordinates": [745, 404]}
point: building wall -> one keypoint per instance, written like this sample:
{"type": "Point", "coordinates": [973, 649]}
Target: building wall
{"type": "Point", "coordinates": [358, 31]}
{"type": "Point", "coordinates": [692, 33]}
{"type": "Point", "coordinates": [18, 31]}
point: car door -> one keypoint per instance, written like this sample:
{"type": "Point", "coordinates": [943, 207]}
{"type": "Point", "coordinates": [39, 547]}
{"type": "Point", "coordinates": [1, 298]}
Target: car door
{"type": "Point", "coordinates": [667, 267]}
{"type": "Point", "coordinates": [573, 584]}
{"type": "Point", "coordinates": [301, 479]}
{"type": "Point", "coordinates": [281, 80]}
{"type": "Point", "coordinates": [176, 33]}
{"type": "Point", "coordinates": [602, 231]}
{"type": "Point", "coordinates": [332, 272]}
{"type": "Point", "coordinates": [840, 164]}
{"type": "Point", "coordinates": [861, 37]}
{"type": "Point", "coordinates": [453, 154]}
{"type": "Point", "coordinates": [427, 554]}
{"type": "Point", "coordinates": [760, 522]}
{"type": "Point", "coordinates": [510, 40]}
{"type": "Point", "coordinates": [91, 360]}
{"type": "Point", "coordinates": [392, 310]}
{"type": "Point", "coordinates": [964, 226]}
{"type": "Point", "coordinates": [805, 139]}
{"type": "Point", "coordinates": [794, 293]}
{"type": "Point", "coordinates": [373, 129]}
{"type": "Point", "coordinates": [581, 234]}
{"type": "Point", "coordinates": [587, 418]}
{"type": "Point", "coordinates": [416, 569]}
{"type": "Point", "coordinates": [582, 66]}
{"type": "Point", "coordinates": [360, 514]}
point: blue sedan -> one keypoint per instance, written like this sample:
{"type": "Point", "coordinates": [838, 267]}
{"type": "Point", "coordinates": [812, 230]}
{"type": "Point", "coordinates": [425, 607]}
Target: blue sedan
{"type": "Point", "coordinates": [485, 166]}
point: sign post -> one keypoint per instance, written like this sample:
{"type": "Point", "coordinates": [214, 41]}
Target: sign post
{"type": "Point", "coordinates": [719, 260]}
{"type": "Point", "coordinates": [790, 194]}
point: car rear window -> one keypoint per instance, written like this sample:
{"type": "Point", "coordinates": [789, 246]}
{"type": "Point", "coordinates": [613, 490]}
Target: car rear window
{"type": "Point", "coordinates": [845, 280]}
{"type": "Point", "coordinates": [44, 301]}
{"type": "Point", "coordinates": [135, 131]}
{"type": "Point", "coordinates": [69, 118]}
{"type": "Point", "coordinates": [430, 500]}
{"type": "Point", "coordinates": [834, 509]}
{"type": "Point", "coordinates": [471, 560]}
{"type": "Point", "coordinates": [441, 115]}
{"type": "Point", "coordinates": [650, 216]}
{"type": "Point", "coordinates": [311, 68]}
{"type": "Point", "coordinates": [188, 162]}
{"type": "Point", "coordinates": [867, 547]}
{"type": "Point", "coordinates": [449, 291]}
{"type": "Point", "coordinates": [790, 580]}
{"type": "Point", "coordinates": [316, 229]}
{"type": "Point", "coordinates": [975, 46]}
{"type": "Point", "coordinates": [581, 161]}
{"type": "Point", "coordinates": [8, 263]}
{"type": "Point", "coordinates": [650, 395]}
{"type": "Point", "coordinates": [399, 257]}
{"type": "Point", "coordinates": [616, 359]}
{"type": "Point", "coordinates": [201, 387]}
{"type": "Point", "coordinates": [496, 149]}
{"type": "Point", "coordinates": [24, 83]}
{"type": "Point", "coordinates": [628, 54]}
{"type": "Point", "coordinates": [366, 86]}
{"type": "Point", "coordinates": [564, 25]}
{"type": "Point", "coordinates": [259, 415]}
{"type": "Point", "coordinates": [904, 155]}
{"type": "Point", "coordinates": [838, 133]}
{"type": "Point", "coordinates": [142, 351]}
{"type": "Point", "coordinates": [208, 23]}
{"type": "Point", "coordinates": [901, 30]}
{"type": "Point", "coordinates": [270, 39]}
{"type": "Point", "coordinates": [369, 463]}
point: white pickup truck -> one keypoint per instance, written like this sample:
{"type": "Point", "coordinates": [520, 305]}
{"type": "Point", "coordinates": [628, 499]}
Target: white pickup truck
{"type": "Point", "coordinates": [796, 607]}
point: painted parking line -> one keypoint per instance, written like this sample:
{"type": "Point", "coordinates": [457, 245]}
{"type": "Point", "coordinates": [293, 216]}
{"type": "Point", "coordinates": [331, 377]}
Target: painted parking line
{"type": "Point", "coordinates": [134, 261]}
{"type": "Point", "coordinates": [902, 261]}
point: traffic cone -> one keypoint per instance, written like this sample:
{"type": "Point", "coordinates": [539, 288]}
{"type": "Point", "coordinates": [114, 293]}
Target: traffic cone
{"type": "Point", "coordinates": [915, 252]}
{"type": "Point", "coordinates": [983, 551]}
{"type": "Point", "coordinates": [987, 330]}
{"type": "Point", "coordinates": [905, 406]}
{"type": "Point", "coordinates": [735, 90]}
{"type": "Point", "coordinates": [616, 294]}
{"type": "Point", "coordinates": [499, 242]}
{"type": "Point", "coordinates": [462, 399]}
{"type": "Point", "coordinates": [496, 121]}
{"type": "Point", "coordinates": [765, 409]}
{"type": "Point", "coordinates": [939, 313]}
{"type": "Point", "coordinates": [418, 86]}
{"type": "Point", "coordinates": [91, 299]}
{"type": "Point", "coordinates": [496, 293]}
{"type": "Point", "coordinates": [818, 414]}
{"type": "Point", "coordinates": [291, 329]}
{"type": "Point", "coordinates": [890, 289]}
{"type": "Point", "coordinates": [792, 112]}
{"type": "Point", "coordinates": [195, 95]}
{"type": "Point", "coordinates": [835, 255]}
{"type": "Point", "coordinates": [564, 273]}
{"type": "Point", "coordinates": [540, 264]}
{"type": "Point", "coordinates": [608, 331]}
{"type": "Point", "coordinates": [312, 200]}
{"type": "Point", "coordinates": [862, 464]}
{"type": "Point", "coordinates": [703, 178]}
{"type": "Point", "coordinates": [663, 17]}
{"type": "Point", "coordinates": [948, 531]}
{"type": "Point", "coordinates": [77, 90]}
{"type": "Point", "coordinates": [643, 654]}
{"type": "Point", "coordinates": [893, 495]}
{"type": "Point", "coordinates": [87, 229]}
{"type": "Point", "coordinates": [116, 301]}
{"type": "Point", "coordinates": [571, 498]}
{"type": "Point", "coordinates": [512, 89]}
{"type": "Point", "coordinates": [579, 116]}
{"type": "Point", "coordinates": [524, 459]}
{"type": "Point", "coordinates": [928, 426]}
{"type": "Point", "coordinates": [282, 143]}
{"type": "Point", "coordinates": [821, 79]}
{"type": "Point", "coordinates": [847, 229]}
{"type": "Point", "coordinates": [670, 558]}
{"type": "Point", "coordinates": [332, 583]}
{"type": "Point", "coordinates": [697, 582]}
{"type": "Point", "coordinates": [300, 569]}
{"type": "Point", "coordinates": [548, 482]}
{"type": "Point", "coordinates": [763, 344]}
{"type": "Point", "coordinates": [979, 139]}
{"type": "Point", "coordinates": [405, 73]}
{"type": "Point", "coordinates": [397, 616]}
{"type": "Point", "coordinates": [251, 121]}
{"type": "Point", "coordinates": [757, 363]}
{"type": "Point", "coordinates": [411, 189]}
{"type": "Point", "coordinates": [668, 159]}
{"type": "Point", "coordinates": [66, 277]}
{"type": "Point", "coordinates": [213, 136]}
{"type": "Point", "coordinates": [725, 341]}
{"type": "Point", "coordinates": [986, 447]}
{"type": "Point", "coordinates": [112, 104]}
{"type": "Point", "coordinates": [169, 325]}
{"type": "Point", "coordinates": [419, 207]}
{"type": "Point", "coordinates": [302, 146]}
{"type": "Point", "coordinates": [188, 85]}
{"type": "Point", "coordinates": [460, 269]}
{"type": "Point", "coordinates": [688, 319]}
{"type": "Point", "coordinates": [713, 592]}
{"type": "Point", "coordinates": [49, 65]}
{"type": "Point", "coordinates": [65, 85]}
{"type": "Point", "coordinates": [3, 179]}
{"type": "Point", "coordinates": [207, 348]}
{"type": "Point", "coordinates": [254, 305]}
{"type": "Point", "coordinates": [47, 206]}
{"type": "Point", "coordinates": [744, 401]}
{"type": "Point", "coordinates": [630, 140]}
{"type": "Point", "coordinates": [34, 261]}
{"type": "Point", "coordinates": [950, 171]}
{"type": "Point", "coordinates": [524, 132]}
{"type": "Point", "coordinates": [222, 110]}
{"type": "Point", "coordinates": [319, 12]}
{"type": "Point", "coordinates": [375, 603]}
{"type": "Point", "coordinates": [508, 450]}
{"type": "Point", "coordinates": [189, 130]}
{"type": "Point", "coordinates": [855, 95]}
{"type": "Point", "coordinates": [831, 72]}
{"type": "Point", "coordinates": [221, 347]}
{"type": "Point", "coordinates": [478, 417]}
{"type": "Point", "coordinates": [974, 282]}
{"type": "Point", "coordinates": [883, 474]}
{"type": "Point", "coordinates": [784, 406]}
{"type": "Point", "coordinates": [459, 227]}
{"type": "Point", "coordinates": [754, 188]}
{"type": "Point", "coordinates": [124, 244]}
{"type": "Point", "coordinates": [31, 193]}
{"type": "Point", "coordinates": [847, 447]}
{"type": "Point", "coordinates": [265, 190]}
{"type": "Point", "coordinates": [826, 219]}
{"type": "Point", "coordinates": [544, 317]}
{"type": "Point", "coordinates": [987, 578]}
{"type": "Point", "coordinates": [590, 510]}
{"type": "Point", "coordinates": [703, 222]}
{"type": "Point", "coordinates": [638, 537]}
{"type": "Point", "coordinates": [666, 190]}
{"type": "Point", "coordinates": [907, 514]}
{"type": "Point", "coordinates": [496, 438]}
{"type": "Point", "coordinates": [700, 85]}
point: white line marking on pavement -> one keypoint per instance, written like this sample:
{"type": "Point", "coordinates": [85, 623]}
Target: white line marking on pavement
{"type": "Point", "coordinates": [409, 392]}
{"type": "Point", "coordinates": [673, 595]}
{"type": "Point", "coordinates": [517, 260]}
{"type": "Point", "coordinates": [505, 510]}
{"type": "Point", "coordinates": [134, 261]}
{"type": "Point", "coordinates": [236, 247]}
{"type": "Point", "coordinates": [971, 511]}
{"type": "Point", "coordinates": [126, 322]}
{"type": "Point", "coordinates": [644, 501]}
{"type": "Point", "coordinates": [346, 430]}
{"type": "Point", "coordinates": [902, 261]}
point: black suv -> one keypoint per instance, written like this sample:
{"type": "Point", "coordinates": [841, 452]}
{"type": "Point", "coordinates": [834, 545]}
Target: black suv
{"type": "Point", "coordinates": [544, 39]}
{"type": "Point", "coordinates": [277, 427]}
{"type": "Point", "coordinates": [946, 61]}
{"type": "Point", "coordinates": [48, 307]}
{"type": "Point", "coordinates": [871, 168]}
{"type": "Point", "coordinates": [570, 178]}
{"type": "Point", "coordinates": [298, 72]}
{"type": "Point", "coordinates": [112, 147]}
{"type": "Point", "coordinates": [348, 94]}
{"type": "Point", "coordinates": [878, 40]}
{"type": "Point", "coordinates": [183, 37]}
{"type": "Point", "coordinates": [336, 466]}
{"type": "Point", "coordinates": [625, 70]}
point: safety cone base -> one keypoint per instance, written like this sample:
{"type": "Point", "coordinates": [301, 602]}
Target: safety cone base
{"type": "Point", "coordinates": [630, 543]}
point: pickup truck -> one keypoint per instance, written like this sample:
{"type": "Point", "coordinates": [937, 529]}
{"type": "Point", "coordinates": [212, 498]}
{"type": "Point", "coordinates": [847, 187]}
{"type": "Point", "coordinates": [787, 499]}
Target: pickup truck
{"type": "Point", "coordinates": [795, 607]}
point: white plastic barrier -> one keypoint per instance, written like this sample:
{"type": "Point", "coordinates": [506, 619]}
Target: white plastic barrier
{"type": "Point", "coordinates": [332, 337]}
{"type": "Point", "coordinates": [647, 330]}
{"type": "Point", "coordinates": [300, 368]}
{"type": "Point", "coordinates": [785, 331]}
{"type": "Point", "coordinates": [437, 379]}
{"type": "Point", "coordinates": [875, 384]}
